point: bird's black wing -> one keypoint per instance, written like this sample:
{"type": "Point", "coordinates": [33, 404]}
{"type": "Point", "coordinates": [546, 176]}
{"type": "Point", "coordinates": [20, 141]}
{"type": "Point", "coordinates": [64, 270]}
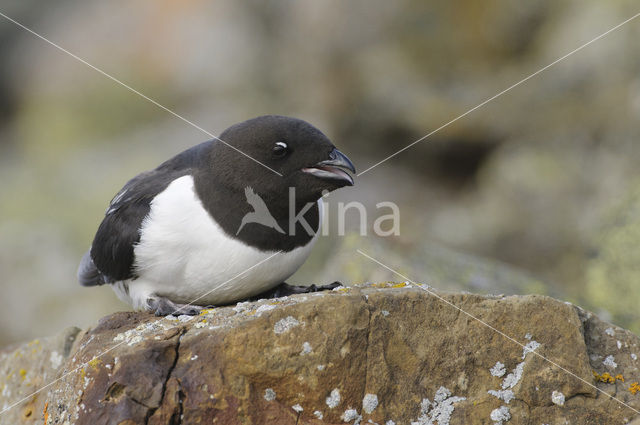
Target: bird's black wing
{"type": "Point", "coordinates": [111, 256]}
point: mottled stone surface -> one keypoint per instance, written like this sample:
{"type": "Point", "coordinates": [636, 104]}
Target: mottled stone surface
{"type": "Point", "coordinates": [613, 270]}
{"type": "Point", "coordinates": [368, 354]}
{"type": "Point", "coordinates": [26, 368]}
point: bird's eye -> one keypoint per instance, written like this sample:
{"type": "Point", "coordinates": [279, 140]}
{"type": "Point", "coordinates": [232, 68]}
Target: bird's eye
{"type": "Point", "coordinates": [280, 149]}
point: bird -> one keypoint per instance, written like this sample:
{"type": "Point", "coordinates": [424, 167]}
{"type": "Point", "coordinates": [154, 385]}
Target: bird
{"type": "Point", "coordinates": [175, 239]}
{"type": "Point", "coordinates": [260, 213]}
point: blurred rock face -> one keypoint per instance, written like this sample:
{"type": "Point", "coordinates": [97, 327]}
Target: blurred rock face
{"type": "Point", "coordinates": [527, 179]}
{"type": "Point", "coordinates": [613, 274]}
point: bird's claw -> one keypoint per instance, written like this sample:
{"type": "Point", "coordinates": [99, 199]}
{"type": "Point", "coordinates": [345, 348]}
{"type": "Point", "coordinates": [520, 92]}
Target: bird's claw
{"type": "Point", "coordinates": [284, 289]}
{"type": "Point", "coordinates": [163, 307]}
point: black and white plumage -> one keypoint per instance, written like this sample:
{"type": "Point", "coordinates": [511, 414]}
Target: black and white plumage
{"type": "Point", "coordinates": [176, 233]}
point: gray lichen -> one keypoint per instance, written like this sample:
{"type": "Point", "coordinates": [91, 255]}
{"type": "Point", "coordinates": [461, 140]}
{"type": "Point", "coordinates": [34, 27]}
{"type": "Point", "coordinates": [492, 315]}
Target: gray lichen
{"type": "Point", "coordinates": [334, 398]}
{"type": "Point", "coordinates": [369, 403]}
{"type": "Point", "coordinates": [269, 394]}
{"type": "Point", "coordinates": [440, 410]}
{"type": "Point", "coordinates": [498, 370]}
{"type": "Point", "coordinates": [500, 415]}
{"type": "Point", "coordinates": [286, 324]}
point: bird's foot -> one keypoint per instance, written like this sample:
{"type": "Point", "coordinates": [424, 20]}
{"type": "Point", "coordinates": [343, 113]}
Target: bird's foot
{"type": "Point", "coordinates": [284, 289]}
{"type": "Point", "coordinates": [163, 307]}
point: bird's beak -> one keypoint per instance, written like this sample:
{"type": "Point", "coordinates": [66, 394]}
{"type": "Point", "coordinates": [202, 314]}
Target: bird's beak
{"type": "Point", "coordinates": [333, 168]}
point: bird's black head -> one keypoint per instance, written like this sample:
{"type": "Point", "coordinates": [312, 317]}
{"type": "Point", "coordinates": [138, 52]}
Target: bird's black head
{"type": "Point", "coordinates": [296, 153]}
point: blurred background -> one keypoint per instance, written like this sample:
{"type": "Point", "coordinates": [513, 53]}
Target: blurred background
{"type": "Point", "coordinates": [536, 192]}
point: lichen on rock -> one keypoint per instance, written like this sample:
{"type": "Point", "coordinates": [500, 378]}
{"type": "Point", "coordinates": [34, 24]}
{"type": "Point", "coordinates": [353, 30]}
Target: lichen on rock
{"type": "Point", "coordinates": [332, 357]}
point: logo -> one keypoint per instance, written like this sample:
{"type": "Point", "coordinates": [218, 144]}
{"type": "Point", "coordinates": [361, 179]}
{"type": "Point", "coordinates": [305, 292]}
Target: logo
{"type": "Point", "coordinates": [260, 213]}
{"type": "Point", "coordinates": [384, 225]}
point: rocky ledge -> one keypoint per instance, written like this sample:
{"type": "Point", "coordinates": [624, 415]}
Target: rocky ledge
{"type": "Point", "coordinates": [382, 353]}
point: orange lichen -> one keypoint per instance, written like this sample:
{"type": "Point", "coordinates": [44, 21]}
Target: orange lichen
{"type": "Point", "coordinates": [382, 284]}
{"type": "Point", "coordinates": [388, 284]}
{"type": "Point", "coordinates": [46, 413]}
{"type": "Point", "coordinates": [634, 388]}
{"type": "Point", "coordinates": [35, 344]}
{"type": "Point", "coordinates": [605, 377]}
{"type": "Point", "coordinates": [94, 363]}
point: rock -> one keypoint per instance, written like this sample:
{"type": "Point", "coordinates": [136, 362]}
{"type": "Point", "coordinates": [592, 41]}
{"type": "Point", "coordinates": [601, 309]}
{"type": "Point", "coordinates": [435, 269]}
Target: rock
{"type": "Point", "coordinates": [28, 367]}
{"type": "Point", "coordinates": [367, 354]}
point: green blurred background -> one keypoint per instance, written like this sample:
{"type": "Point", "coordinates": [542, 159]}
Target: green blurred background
{"type": "Point", "coordinates": [536, 192]}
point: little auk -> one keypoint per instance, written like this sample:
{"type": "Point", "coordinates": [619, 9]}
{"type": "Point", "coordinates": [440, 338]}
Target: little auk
{"type": "Point", "coordinates": [215, 225]}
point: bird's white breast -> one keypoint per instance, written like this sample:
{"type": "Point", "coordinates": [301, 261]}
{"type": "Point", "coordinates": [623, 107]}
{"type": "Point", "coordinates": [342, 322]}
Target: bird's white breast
{"type": "Point", "coordinates": [184, 255]}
